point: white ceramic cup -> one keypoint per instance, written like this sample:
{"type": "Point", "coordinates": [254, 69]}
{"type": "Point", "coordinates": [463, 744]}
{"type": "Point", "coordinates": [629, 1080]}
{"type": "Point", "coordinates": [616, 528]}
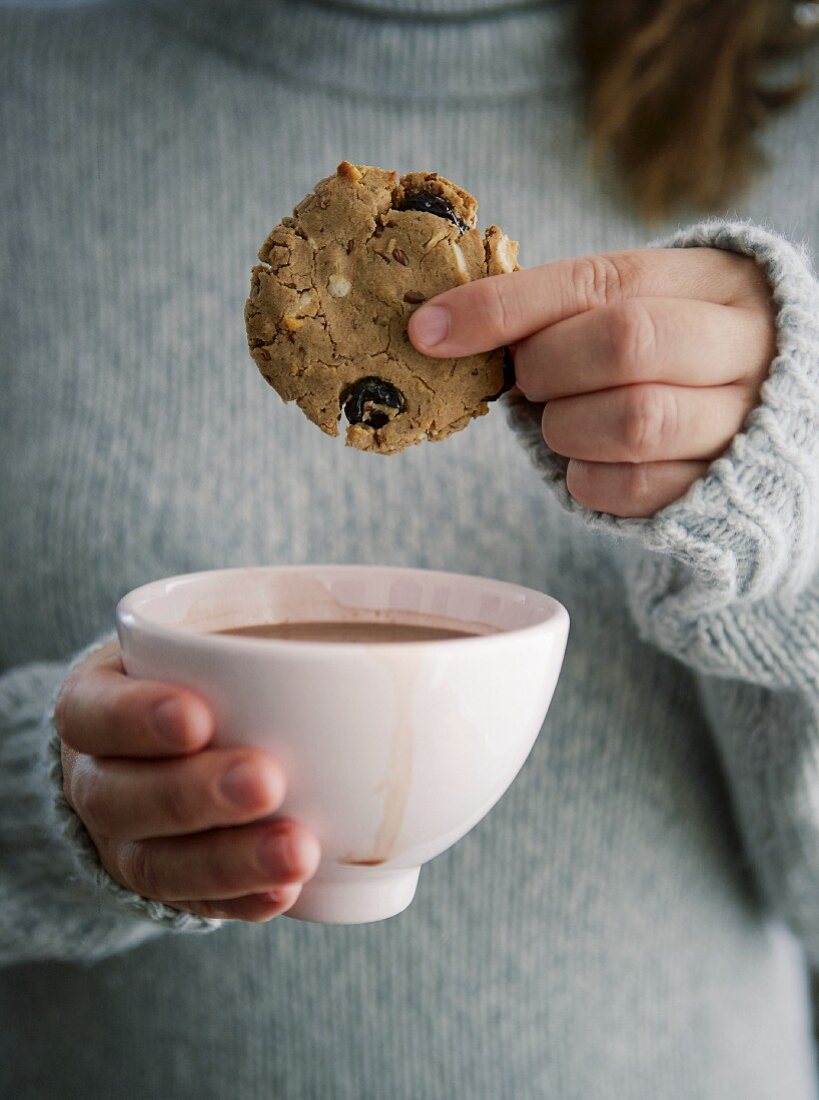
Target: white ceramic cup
{"type": "Point", "coordinates": [392, 751]}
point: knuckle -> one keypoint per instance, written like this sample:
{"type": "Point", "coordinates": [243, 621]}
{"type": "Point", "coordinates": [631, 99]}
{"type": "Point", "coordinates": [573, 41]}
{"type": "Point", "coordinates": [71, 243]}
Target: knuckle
{"type": "Point", "coordinates": [623, 489]}
{"type": "Point", "coordinates": [588, 277]}
{"type": "Point", "coordinates": [750, 283]}
{"type": "Point", "coordinates": [580, 481]}
{"type": "Point", "coordinates": [598, 280]}
{"type": "Point", "coordinates": [138, 869]}
{"type": "Point", "coordinates": [64, 708]}
{"type": "Point", "coordinates": [220, 865]}
{"type": "Point", "coordinates": [173, 806]}
{"type": "Point", "coordinates": [121, 708]}
{"type": "Point", "coordinates": [61, 706]}
{"type": "Point", "coordinates": [90, 800]}
{"type": "Point", "coordinates": [647, 421]}
{"type": "Point", "coordinates": [498, 318]}
{"type": "Point", "coordinates": [549, 423]}
{"type": "Point", "coordinates": [632, 336]}
{"type": "Point", "coordinates": [635, 486]}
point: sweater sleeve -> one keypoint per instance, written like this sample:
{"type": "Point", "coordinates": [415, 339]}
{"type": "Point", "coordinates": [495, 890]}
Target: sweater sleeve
{"type": "Point", "coordinates": [56, 900]}
{"type": "Point", "coordinates": [726, 580]}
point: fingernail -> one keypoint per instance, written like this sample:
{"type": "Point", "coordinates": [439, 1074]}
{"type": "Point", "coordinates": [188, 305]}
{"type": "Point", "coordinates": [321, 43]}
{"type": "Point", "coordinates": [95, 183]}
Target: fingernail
{"type": "Point", "coordinates": [305, 853]}
{"type": "Point", "coordinates": [240, 785]}
{"type": "Point", "coordinates": [430, 325]}
{"type": "Point", "coordinates": [169, 722]}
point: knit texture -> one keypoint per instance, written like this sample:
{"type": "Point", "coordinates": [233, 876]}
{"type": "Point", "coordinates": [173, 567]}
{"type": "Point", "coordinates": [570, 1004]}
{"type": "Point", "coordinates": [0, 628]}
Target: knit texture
{"type": "Point", "coordinates": [40, 874]}
{"type": "Point", "coordinates": [475, 52]}
{"type": "Point", "coordinates": [631, 920]}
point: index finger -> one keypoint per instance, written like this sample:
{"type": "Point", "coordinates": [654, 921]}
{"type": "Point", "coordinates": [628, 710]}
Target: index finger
{"type": "Point", "coordinates": [102, 712]}
{"type": "Point", "coordinates": [501, 309]}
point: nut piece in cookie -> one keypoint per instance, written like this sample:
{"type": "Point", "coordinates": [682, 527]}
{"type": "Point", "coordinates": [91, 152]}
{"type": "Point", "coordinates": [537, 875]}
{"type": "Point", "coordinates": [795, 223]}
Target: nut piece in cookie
{"type": "Point", "coordinates": [333, 292]}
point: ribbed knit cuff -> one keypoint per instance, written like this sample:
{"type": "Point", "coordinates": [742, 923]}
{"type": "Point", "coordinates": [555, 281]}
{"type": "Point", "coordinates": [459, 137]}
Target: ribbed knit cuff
{"type": "Point", "coordinates": [750, 527]}
{"type": "Point", "coordinates": [85, 854]}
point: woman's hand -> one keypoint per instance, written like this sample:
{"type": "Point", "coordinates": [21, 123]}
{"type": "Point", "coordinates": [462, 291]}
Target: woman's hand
{"type": "Point", "coordinates": [648, 362]}
{"type": "Point", "coordinates": [171, 818]}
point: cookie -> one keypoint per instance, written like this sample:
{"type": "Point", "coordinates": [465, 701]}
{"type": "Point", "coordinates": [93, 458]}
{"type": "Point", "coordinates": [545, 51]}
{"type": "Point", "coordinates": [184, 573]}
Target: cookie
{"type": "Point", "coordinates": [330, 301]}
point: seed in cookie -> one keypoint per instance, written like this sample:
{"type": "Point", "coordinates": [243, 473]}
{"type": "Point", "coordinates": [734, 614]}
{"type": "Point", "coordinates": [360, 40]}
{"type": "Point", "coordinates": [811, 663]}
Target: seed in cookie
{"type": "Point", "coordinates": [372, 402]}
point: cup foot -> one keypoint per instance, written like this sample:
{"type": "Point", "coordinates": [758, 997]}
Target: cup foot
{"type": "Point", "coordinates": [358, 898]}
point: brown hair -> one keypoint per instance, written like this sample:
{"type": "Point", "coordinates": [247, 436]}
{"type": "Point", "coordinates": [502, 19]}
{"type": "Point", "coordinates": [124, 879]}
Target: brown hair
{"type": "Point", "coordinates": [676, 91]}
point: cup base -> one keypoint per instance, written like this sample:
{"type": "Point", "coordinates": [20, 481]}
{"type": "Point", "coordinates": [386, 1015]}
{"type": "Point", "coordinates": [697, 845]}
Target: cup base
{"type": "Point", "coordinates": [360, 898]}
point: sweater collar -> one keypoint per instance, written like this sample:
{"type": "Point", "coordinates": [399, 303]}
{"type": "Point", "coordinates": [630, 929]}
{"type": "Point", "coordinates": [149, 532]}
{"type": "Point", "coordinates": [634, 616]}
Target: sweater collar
{"type": "Point", "coordinates": [397, 50]}
{"type": "Point", "coordinates": [433, 10]}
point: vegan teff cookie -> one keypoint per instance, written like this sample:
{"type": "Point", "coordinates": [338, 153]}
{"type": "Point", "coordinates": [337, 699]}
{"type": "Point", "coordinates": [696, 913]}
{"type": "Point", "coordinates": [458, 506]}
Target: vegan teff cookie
{"type": "Point", "coordinates": [330, 301]}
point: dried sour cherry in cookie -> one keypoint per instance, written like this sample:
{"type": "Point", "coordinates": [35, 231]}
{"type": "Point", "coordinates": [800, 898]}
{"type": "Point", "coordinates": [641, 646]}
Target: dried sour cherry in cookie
{"type": "Point", "coordinates": [373, 402]}
{"type": "Point", "coordinates": [334, 290]}
{"type": "Point", "coordinates": [431, 203]}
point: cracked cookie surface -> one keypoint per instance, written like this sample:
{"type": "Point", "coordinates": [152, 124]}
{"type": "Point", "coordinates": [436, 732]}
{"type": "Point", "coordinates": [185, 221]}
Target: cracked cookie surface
{"type": "Point", "coordinates": [334, 290]}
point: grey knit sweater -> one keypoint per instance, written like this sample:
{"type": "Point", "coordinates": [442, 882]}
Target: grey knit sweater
{"type": "Point", "coordinates": [632, 922]}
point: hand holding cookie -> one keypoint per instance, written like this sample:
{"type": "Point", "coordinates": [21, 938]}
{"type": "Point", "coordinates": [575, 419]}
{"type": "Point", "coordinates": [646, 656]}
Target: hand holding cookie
{"type": "Point", "coordinates": [647, 362]}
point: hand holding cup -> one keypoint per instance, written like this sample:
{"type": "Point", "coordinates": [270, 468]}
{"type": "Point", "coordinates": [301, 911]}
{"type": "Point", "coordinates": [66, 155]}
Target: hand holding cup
{"type": "Point", "coordinates": [173, 818]}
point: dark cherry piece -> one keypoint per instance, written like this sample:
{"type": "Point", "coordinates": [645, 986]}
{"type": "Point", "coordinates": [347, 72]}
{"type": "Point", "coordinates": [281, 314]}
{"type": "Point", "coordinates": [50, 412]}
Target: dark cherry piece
{"type": "Point", "coordinates": [430, 203]}
{"type": "Point", "coordinates": [371, 391]}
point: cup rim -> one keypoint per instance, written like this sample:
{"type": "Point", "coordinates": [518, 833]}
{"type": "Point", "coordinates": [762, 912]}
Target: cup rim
{"type": "Point", "coordinates": [128, 615]}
